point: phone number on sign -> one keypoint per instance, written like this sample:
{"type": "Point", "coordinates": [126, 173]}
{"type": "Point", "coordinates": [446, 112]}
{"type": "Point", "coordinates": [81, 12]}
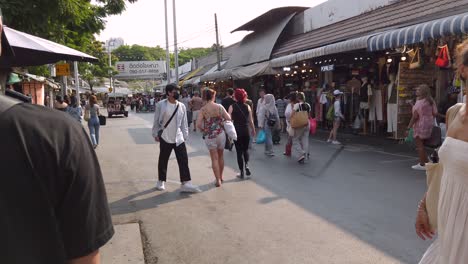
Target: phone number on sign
{"type": "Point", "coordinates": [144, 71]}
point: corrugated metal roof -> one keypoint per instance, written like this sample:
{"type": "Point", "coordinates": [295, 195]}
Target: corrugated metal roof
{"type": "Point", "coordinates": [403, 13]}
{"type": "Point", "coordinates": [212, 58]}
{"type": "Point", "coordinates": [270, 17]}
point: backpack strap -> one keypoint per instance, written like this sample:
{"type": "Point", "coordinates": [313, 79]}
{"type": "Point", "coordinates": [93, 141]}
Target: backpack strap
{"type": "Point", "coordinates": [6, 103]}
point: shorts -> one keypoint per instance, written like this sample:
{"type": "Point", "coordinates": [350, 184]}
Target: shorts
{"type": "Point", "coordinates": [195, 115]}
{"type": "Point", "coordinates": [219, 142]}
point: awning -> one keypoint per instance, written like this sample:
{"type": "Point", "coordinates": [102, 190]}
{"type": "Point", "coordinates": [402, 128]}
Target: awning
{"type": "Point", "coordinates": [453, 25]}
{"type": "Point", "coordinates": [189, 75]}
{"type": "Point", "coordinates": [339, 47]}
{"type": "Point", "coordinates": [30, 50]}
{"type": "Point", "coordinates": [257, 69]}
{"type": "Point", "coordinates": [284, 61]}
{"type": "Point", "coordinates": [40, 79]}
{"type": "Point", "coordinates": [217, 75]}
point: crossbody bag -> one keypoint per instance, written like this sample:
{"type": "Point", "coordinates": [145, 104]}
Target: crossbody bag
{"type": "Point", "coordinates": [160, 132]}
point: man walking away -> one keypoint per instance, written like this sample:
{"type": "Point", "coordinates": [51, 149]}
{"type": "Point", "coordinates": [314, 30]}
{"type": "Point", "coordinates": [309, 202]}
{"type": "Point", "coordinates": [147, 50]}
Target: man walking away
{"type": "Point", "coordinates": [53, 202]}
{"type": "Point", "coordinates": [195, 104]}
{"type": "Point", "coordinates": [226, 103]}
{"type": "Point", "coordinates": [170, 129]}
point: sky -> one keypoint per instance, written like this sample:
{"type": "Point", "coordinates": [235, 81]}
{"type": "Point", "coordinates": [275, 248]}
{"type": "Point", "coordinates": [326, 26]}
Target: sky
{"type": "Point", "coordinates": [143, 22]}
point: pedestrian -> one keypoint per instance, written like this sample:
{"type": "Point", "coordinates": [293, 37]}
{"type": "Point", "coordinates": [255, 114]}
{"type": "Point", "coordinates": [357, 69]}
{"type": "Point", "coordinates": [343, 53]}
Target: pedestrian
{"type": "Point", "coordinates": [269, 122]}
{"type": "Point", "coordinates": [281, 106]}
{"type": "Point", "coordinates": [260, 110]}
{"type": "Point", "coordinates": [241, 115]}
{"type": "Point", "coordinates": [74, 109]}
{"type": "Point", "coordinates": [451, 244]}
{"type": "Point", "coordinates": [66, 99]}
{"type": "Point", "coordinates": [170, 129]}
{"type": "Point", "coordinates": [227, 102]}
{"type": "Point", "coordinates": [287, 113]}
{"type": "Point", "coordinates": [422, 122]}
{"type": "Point", "coordinates": [338, 117]}
{"type": "Point", "coordinates": [301, 134]}
{"type": "Point", "coordinates": [53, 200]}
{"type": "Point", "coordinates": [195, 105]}
{"type": "Point", "coordinates": [210, 121]}
{"type": "Point", "coordinates": [186, 101]}
{"type": "Point", "coordinates": [60, 104]}
{"type": "Point", "coordinates": [92, 114]}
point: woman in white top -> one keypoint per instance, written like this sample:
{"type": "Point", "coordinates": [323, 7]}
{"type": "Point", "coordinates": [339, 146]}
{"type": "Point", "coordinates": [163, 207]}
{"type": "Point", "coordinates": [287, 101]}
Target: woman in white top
{"type": "Point", "coordinates": [451, 245]}
{"type": "Point", "coordinates": [301, 134]}
{"type": "Point", "coordinates": [338, 117]}
{"type": "Point", "coordinates": [288, 113]}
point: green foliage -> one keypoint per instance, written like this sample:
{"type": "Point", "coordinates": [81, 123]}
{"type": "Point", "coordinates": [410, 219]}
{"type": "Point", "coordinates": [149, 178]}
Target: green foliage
{"type": "Point", "coordinates": [185, 55]}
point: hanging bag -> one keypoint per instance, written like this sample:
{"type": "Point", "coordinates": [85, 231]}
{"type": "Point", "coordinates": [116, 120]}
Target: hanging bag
{"type": "Point", "coordinates": [435, 140]}
{"type": "Point", "coordinates": [86, 115]}
{"type": "Point", "coordinates": [443, 59]}
{"type": "Point", "coordinates": [416, 60]}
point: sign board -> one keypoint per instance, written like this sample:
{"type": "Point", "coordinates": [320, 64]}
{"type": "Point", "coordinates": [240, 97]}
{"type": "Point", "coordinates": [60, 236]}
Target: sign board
{"type": "Point", "coordinates": [140, 69]}
{"type": "Point", "coordinates": [327, 68]}
{"type": "Point", "coordinates": [110, 89]}
{"type": "Point", "coordinates": [62, 69]}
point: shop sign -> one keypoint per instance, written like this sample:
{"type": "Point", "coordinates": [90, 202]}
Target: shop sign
{"type": "Point", "coordinates": [140, 69]}
{"type": "Point", "coordinates": [62, 69]}
{"type": "Point", "coordinates": [327, 68]}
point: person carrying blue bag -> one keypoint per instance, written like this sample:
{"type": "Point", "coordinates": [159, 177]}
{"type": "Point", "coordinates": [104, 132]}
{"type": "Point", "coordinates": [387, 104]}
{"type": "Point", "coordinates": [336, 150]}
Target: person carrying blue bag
{"type": "Point", "coordinates": [269, 123]}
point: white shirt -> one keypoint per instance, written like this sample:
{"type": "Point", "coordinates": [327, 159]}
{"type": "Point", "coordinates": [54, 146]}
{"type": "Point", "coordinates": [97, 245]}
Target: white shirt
{"type": "Point", "coordinates": [288, 113]}
{"type": "Point", "coordinates": [170, 133]}
{"type": "Point", "coordinates": [337, 106]}
{"type": "Point", "coordinates": [152, 101]}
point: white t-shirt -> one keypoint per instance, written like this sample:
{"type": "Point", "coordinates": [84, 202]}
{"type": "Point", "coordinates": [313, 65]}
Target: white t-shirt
{"type": "Point", "coordinates": [152, 101]}
{"type": "Point", "coordinates": [288, 113]}
{"type": "Point", "coordinates": [170, 133]}
{"type": "Point", "coordinates": [337, 106]}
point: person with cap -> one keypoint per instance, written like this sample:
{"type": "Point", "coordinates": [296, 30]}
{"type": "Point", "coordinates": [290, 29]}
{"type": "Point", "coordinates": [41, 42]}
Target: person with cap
{"type": "Point", "coordinates": [338, 116]}
{"type": "Point", "coordinates": [171, 130]}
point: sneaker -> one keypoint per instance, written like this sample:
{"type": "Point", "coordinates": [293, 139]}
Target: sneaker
{"type": "Point", "coordinates": [247, 171]}
{"type": "Point", "coordinates": [301, 159]}
{"type": "Point", "coordinates": [419, 167]}
{"type": "Point", "coordinates": [189, 187]}
{"type": "Point", "coordinates": [336, 142]}
{"type": "Point", "coordinates": [160, 186]}
{"type": "Point", "coordinates": [329, 141]}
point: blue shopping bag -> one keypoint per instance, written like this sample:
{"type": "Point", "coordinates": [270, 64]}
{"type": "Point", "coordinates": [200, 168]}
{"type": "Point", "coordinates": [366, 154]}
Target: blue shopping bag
{"type": "Point", "coordinates": [261, 137]}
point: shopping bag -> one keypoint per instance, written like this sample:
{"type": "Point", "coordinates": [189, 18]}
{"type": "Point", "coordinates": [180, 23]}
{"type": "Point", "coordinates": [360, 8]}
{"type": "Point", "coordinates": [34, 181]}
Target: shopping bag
{"type": "Point", "coordinates": [261, 137]}
{"type": "Point", "coordinates": [443, 59]}
{"type": "Point", "coordinates": [357, 123]}
{"type": "Point", "coordinates": [102, 120]}
{"type": "Point", "coordinates": [331, 113]}
{"type": "Point", "coordinates": [86, 115]}
{"type": "Point", "coordinates": [313, 125]}
{"type": "Point", "coordinates": [410, 138]}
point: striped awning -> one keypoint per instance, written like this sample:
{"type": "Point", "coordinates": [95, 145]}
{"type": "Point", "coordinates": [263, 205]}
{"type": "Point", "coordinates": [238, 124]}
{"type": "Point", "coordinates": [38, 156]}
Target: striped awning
{"type": "Point", "coordinates": [343, 46]}
{"type": "Point", "coordinates": [284, 61]}
{"type": "Point", "coordinates": [449, 26]}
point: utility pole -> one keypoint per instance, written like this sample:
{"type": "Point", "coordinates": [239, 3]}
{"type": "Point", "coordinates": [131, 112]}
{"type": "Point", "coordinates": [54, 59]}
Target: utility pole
{"type": "Point", "coordinates": [77, 81]}
{"type": "Point", "coordinates": [176, 52]}
{"type": "Point", "coordinates": [218, 51]}
{"type": "Point", "coordinates": [168, 57]}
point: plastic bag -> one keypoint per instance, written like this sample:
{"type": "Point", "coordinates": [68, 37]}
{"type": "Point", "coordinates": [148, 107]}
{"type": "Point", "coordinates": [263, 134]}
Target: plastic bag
{"type": "Point", "coordinates": [357, 122]}
{"type": "Point", "coordinates": [410, 138]}
{"type": "Point", "coordinates": [261, 137]}
{"type": "Point", "coordinates": [313, 125]}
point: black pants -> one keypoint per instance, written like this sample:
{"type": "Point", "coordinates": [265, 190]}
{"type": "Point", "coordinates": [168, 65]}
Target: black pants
{"type": "Point", "coordinates": [242, 149]}
{"type": "Point", "coordinates": [182, 160]}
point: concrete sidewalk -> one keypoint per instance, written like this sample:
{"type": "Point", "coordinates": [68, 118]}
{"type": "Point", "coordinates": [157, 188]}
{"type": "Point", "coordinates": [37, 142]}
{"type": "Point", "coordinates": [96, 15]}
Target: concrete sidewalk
{"type": "Point", "coordinates": [125, 247]}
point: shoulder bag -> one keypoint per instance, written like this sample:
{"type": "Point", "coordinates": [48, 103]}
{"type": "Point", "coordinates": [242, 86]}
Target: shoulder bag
{"type": "Point", "coordinates": [300, 118]}
{"type": "Point", "coordinates": [434, 172]}
{"type": "Point", "coordinates": [160, 132]}
{"type": "Point", "coordinates": [416, 60]}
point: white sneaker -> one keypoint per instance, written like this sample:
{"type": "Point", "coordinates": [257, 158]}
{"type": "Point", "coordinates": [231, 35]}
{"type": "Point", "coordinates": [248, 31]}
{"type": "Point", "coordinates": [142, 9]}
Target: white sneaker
{"type": "Point", "coordinates": [189, 187]}
{"type": "Point", "coordinates": [418, 167]}
{"type": "Point", "coordinates": [329, 141]}
{"type": "Point", "coordinates": [160, 186]}
{"type": "Point", "coordinates": [336, 142]}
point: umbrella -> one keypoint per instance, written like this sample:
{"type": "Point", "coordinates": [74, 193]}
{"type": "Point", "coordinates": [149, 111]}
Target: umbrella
{"type": "Point", "coordinates": [29, 50]}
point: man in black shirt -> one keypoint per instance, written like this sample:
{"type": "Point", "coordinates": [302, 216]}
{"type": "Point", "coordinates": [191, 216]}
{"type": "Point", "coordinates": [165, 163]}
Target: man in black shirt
{"type": "Point", "coordinates": [52, 198]}
{"type": "Point", "coordinates": [226, 103]}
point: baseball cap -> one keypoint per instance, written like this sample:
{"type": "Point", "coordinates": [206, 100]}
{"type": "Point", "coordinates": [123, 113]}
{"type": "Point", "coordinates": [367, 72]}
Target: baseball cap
{"type": "Point", "coordinates": [337, 92]}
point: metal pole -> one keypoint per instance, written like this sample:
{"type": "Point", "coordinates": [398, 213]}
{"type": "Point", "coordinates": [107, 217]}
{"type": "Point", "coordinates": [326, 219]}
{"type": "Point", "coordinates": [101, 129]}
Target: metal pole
{"type": "Point", "coordinates": [217, 43]}
{"type": "Point", "coordinates": [176, 52]}
{"type": "Point", "coordinates": [168, 57]}
{"type": "Point", "coordinates": [77, 81]}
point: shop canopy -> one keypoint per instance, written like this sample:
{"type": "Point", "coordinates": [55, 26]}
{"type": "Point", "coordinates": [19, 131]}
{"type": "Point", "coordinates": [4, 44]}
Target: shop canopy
{"type": "Point", "coordinates": [29, 50]}
{"type": "Point", "coordinates": [453, 25]}
{"type": "Point", "coordinates": [246, 72]}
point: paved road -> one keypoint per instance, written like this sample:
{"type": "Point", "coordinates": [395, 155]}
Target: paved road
{"type": "Point", "coordinates": [346, 205]}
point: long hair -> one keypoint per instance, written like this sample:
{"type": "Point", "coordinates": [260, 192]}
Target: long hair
{"type": "Point", "coordinates": [425, 93]}
{"type": "Point", "coordinates": [92, 100]}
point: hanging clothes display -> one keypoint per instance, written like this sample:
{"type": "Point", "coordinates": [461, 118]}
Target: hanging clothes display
{"type": "Point", "coordinates": [392, 106]}
{"type": "Point", "coordinates": [375, 106]}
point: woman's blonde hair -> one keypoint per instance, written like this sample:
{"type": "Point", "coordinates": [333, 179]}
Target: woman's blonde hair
{"type": "Point", "coordinates": [425, 92]}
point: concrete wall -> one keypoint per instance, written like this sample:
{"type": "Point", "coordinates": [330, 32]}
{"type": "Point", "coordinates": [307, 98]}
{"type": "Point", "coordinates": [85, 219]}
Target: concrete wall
{"type": "Point", "coordinates": [334, 11]}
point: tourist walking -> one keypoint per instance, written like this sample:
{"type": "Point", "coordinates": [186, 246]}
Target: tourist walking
{"type": "Point", "coordinates": [302, 110]}
{"type": "Point", "coordinates": [170, 129]}
{"type": "Point", "coordinates": [92, 116]}
{"type": "Point", "coordinates": [210, 121]}
{"type": "Point", "coordinates": [338, 117]}
{"type": "Point", "coordinates": [226, 103]}
{"type": "Point", "coordinates": [287, 113]}
{"type": "Point", "coordinates": [451, 244]}
{"type": "Point", "coordinates": [195, 105]}
{"type": "Point", "coordinates": [74, 109]}
{"type": "Point", "coordinates": [241, 115]}
{"type": "Point", "coordinates": [269, 122]}
{"type": "Point", "coordinates": [422, 122]}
